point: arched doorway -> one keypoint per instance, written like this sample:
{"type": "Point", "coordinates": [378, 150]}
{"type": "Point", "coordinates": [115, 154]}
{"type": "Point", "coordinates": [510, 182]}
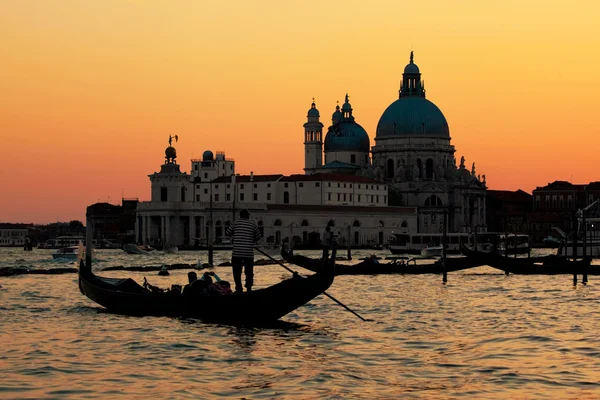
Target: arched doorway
{"type": "Point", "coordinates": [390, 169]}
{"type": "Point", "coordinates": [420, 166]}
{"type": "Point", "coordinates": [286, 197]}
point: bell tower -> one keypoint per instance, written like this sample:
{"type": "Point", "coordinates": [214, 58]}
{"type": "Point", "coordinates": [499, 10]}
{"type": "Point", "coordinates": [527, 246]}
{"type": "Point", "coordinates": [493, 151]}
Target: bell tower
{"type": "Point", "coordinates": [313, 141]}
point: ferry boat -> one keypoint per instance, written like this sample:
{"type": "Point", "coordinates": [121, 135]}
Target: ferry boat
{"type": "Point", "coordinates": [432, 250]}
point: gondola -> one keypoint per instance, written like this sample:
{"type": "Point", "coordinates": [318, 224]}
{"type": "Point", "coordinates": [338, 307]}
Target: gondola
{"type": "Point", "coordinates": [549, 265]}
{"type": "Point", "coordinates": [367, 267]}
{"type": "Point", "coordinates": [125, 296]}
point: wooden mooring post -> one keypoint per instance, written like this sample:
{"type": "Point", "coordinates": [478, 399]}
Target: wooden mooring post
{"type": "Point", "coordinates": [349, 242]}
{"type": "Point", "coordinates": [444, 247]}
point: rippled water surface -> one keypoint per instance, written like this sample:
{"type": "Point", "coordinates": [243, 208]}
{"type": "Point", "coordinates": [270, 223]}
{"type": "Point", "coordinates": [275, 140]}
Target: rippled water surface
{"type": "Point", "coordinates": [481, 335]}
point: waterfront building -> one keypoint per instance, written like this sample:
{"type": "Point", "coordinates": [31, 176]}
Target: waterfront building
{"type": "Point", "coordinates": [555, 206]}
{"type": "Point", "coordinates": [182, 206]}
{"type": "Point", "coordinates": [408, 182]}
{"type": "Point", "coordinates": [11, 236]}
{"type": "Point", "coordinates": [413, 154]}
{"type": "Point", "coordinates": [508, 211]}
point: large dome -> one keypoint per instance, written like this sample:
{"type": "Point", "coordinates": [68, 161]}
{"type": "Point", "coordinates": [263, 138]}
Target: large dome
{"type": "Point", "coordinates": [412, 116]}
{"type": "Point", "coordinates": [347, 136]}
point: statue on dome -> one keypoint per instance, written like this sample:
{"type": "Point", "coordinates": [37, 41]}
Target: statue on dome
{"type": "Point", "coordinates": [411, 57]}
{"type": "Point", "coordinates": [473, 169]}
{"type": "Point", "coordinates": [462, 162]}
{"type": "Point", "coordinates": [171, 139]}
{"type": "Point", "coordinates": [483, 181]}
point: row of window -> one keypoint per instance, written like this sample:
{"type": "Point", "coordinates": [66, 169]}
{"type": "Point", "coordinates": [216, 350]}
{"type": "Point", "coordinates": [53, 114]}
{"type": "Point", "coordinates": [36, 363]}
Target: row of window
{"type": "Point", "coordinates": [301, 184]}
{"type": "Point", "coordinates": [359, 198]}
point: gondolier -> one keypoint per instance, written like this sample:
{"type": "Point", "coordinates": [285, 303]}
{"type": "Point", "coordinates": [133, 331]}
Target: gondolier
{"type": "Point", "coordinates": [245, 234]}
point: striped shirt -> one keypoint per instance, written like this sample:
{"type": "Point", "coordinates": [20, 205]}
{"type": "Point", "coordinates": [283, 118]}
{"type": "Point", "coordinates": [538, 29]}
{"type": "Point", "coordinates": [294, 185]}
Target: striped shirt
{"type": "Point", "coordinates": [245, 233]}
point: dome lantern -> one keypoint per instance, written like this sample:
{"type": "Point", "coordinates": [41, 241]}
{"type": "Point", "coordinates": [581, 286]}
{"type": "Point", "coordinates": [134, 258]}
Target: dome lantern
{"type": "Point", "coordinates": [411, 80]}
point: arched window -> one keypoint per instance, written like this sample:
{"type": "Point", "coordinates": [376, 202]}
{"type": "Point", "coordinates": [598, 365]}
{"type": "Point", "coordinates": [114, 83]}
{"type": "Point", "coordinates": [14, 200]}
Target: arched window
{"type": "Point", "coordinates": [261, 228]}
{"type": "Point", "coordinates": [404, 224]}
{"type": "Point", "coordinates": [304, 223]}
{"type": "Point", "coordinates": [420, 165]}
{"type": "Point", "coordinates": [286, 197]}
{"type": "Point", "coordinates": [356, 224]}
{"type": "Point", "coordinates": [429, 168]}
{"type": "Point", "coordinates": [390, 169]}
{"type": "Point", "coordinates": [380, 224]}
{"type": "Point", "coordinates": [277, 222]}
{"type": "Point", "coordinates": [331, 222]}
{"type": "Point", "coordinates": [433, 201]}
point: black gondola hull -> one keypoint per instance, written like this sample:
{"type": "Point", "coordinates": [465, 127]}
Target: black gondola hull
{"type": "Point", "coordinates": [369, 268]}
{"type": "Point", "coordinates": [550, 265]}
{"type": "Point", "coordinates": [258, 306]}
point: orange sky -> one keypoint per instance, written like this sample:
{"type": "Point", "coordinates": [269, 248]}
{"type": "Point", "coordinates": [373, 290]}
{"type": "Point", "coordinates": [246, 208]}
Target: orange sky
{"type": "Point", "coordinates": [91, 90]}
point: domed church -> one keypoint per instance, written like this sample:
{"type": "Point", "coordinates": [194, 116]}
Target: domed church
{"type": "Point", "coordinates": [412, 153]}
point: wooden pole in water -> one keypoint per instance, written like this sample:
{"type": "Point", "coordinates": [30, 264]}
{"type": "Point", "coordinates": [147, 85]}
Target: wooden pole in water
{"type": "Point", "coordinates": [349, 229]}
{"type": "Point", "coordinates": [444, 247]}
{"type": "Point", "coordinates": [584, 278]}
{"type": "Point", "coordinates": [575, 245]}
{"type": "Point", "coordinates": [210, 229]}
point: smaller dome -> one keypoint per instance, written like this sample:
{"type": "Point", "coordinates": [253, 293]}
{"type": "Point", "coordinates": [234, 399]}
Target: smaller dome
{"type": "Point", "coordinates": [170, 152]}
{"type": "Point", "coordinates": [207, 155]}
{"type": "Point", "coordinates": [313, 112]}
{"type": "Point", "coordinates": [411, 69]}
{"type": "Point", "coordinates": [337, 115]}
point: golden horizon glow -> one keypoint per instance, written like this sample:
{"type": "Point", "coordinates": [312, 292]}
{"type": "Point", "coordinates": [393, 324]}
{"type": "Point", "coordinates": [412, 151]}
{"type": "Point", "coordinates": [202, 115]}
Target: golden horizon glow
{"type": "Point", "coordinates": [90, 91]}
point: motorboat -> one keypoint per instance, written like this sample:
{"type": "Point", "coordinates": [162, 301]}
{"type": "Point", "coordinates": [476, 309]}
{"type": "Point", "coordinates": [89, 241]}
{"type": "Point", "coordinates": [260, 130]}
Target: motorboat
{"type": "Point", "coordinates": [432, 250]}
{"type": "Point", "coordinates": [132, 248]}
{"type": "Point", "coordinates": [67, 253]}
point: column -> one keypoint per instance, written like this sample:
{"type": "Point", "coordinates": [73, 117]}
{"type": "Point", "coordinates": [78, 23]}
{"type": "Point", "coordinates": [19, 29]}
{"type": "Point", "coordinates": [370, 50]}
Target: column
{"type": "Point", "coordinates": [138, 231]}
{"type": "Point", "coordinates": [484, 219]}
{"type": "Point", "coordinates": [468, 212]}
{"type": "Point", "coordinates": [146, 230]}
{"type": "Point", "coordinates": [192, 230]}
{"type": "Point", "coordinates": [167, 230]}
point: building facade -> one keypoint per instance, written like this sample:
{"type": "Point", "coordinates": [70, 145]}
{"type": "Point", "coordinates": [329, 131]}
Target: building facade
{"type": "Point", "coordinates": [555, 206]}
{"type": "Point", "coordinates": [413, 154]}
{"type": "Point", "coordinates": [183, 206]}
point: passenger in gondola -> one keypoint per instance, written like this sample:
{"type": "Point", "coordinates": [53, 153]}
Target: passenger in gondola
{"type": "Point", "coordinates": [245, 234]}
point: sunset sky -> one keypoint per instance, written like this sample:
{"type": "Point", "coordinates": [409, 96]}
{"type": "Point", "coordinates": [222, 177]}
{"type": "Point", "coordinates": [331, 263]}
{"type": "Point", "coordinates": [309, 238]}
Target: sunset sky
{"type": "Point", "coordinates": [91, 90]}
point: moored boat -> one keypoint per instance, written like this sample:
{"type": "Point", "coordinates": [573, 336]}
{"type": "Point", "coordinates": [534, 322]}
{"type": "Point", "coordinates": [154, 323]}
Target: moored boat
{"type": "Point", "coordinates": [69, 253]}
{"type": "Point", "coordinates": [132, 248]}
{"type": "Point", "coordinates": [549, 265]}
{"type": "Point", "coordinates": [369, 267]}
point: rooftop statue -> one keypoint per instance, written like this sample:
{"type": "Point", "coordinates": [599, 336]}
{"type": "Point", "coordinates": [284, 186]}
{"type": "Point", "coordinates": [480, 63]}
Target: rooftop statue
{"type": "Point", "coordinates": [171, 139]}
{"type": "Point", "coordinates": [411, 57]}
{"type": "Point", "coordinates": [462, 162]}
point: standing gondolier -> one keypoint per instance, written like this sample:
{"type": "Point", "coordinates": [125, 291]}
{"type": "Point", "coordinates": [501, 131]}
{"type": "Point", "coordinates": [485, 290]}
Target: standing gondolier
{"type": "Point", "coordinates": [245, 234]}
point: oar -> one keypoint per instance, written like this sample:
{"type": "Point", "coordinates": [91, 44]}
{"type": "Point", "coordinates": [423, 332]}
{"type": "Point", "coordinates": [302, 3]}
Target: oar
{"type": "Point", "coordinates": [325, 293]}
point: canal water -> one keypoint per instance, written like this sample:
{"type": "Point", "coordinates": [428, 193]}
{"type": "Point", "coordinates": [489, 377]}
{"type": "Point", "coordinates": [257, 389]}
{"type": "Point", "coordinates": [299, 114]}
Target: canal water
{"type": "Point", "coordinates": [482, 335]}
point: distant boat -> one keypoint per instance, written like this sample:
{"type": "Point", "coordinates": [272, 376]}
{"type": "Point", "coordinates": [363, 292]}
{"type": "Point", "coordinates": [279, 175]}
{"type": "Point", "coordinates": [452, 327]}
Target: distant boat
{"type": "Point", "coordinates": [132, 248]}
{"type": "Point", "coordinates": [67, 253]}
{"type": "Point", "coordinates": [432, 251]}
